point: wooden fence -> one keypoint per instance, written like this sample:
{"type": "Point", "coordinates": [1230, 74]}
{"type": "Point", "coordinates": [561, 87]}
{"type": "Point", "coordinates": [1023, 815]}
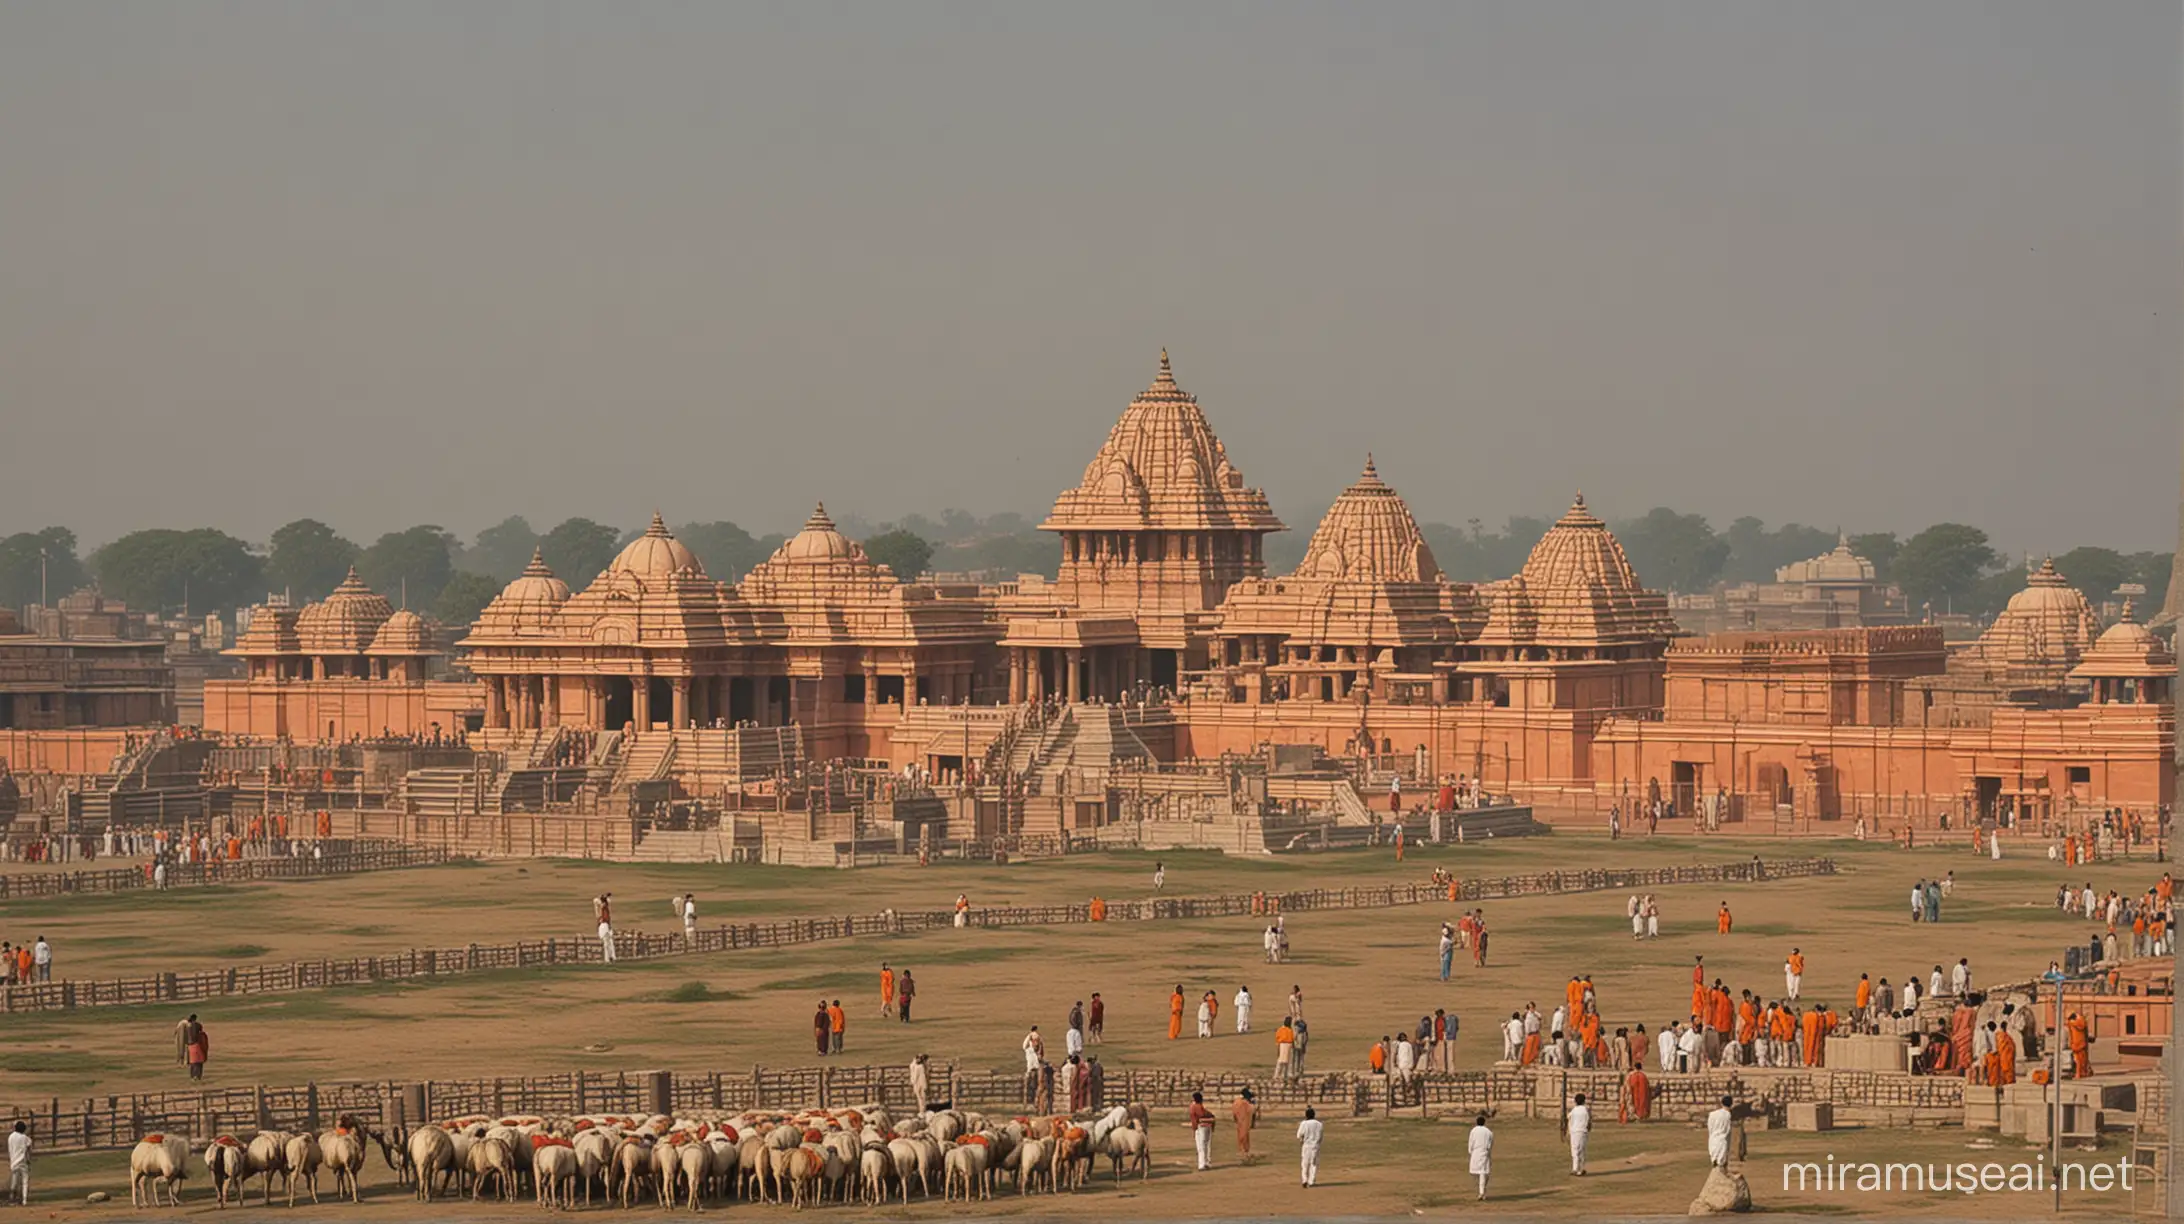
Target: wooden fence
{"type": "Point", "coordinates": [640, 945]}
{"type": "Point", "coordinates": [105, 1123]}
{"type": "Point", "coordinates": [346, 859]}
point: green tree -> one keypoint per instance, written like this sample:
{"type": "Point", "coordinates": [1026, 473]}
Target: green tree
{"type": "Point", "coordinates": [1678, 552]}
{"type": "Point", "coordinates": [411, 566]}
{"type": "Point", "coordinates": [2152, 570]}
{"type": "Point", "coordinates": [19, 566]}
{"type": "Point", "coordinates": [1879, 547]}
{"type": "Point", "coordinates": [502, 550]}
{"type": "Point", "coordinates": [160, 569]}
{"type": "Point", "coordinates": [906, 553]}
{"type": "Point", "coordinates": [1943, 565]}
{"type": "Point", "coordinates": [727, 551]}
{"type": "Point", "coordinates": [1008, 553]}
{"type": "Point", "coordinates": [2096, 571]}
{"type": "Point", "coordinates": [578, 549]}
{"type": "Point", "coordinates": [309, 559]}
{"type": "Point", "coordinates": [1755, 553]}
{"type": "Point", "coordinates": [464, 596]}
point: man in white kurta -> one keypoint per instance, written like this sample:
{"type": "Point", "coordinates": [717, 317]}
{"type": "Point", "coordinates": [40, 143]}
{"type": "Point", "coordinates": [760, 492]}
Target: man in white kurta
{"type": "Point", "coordinates": [1960, 978]}
{"type": "Point", "coordinates": [1580, 1131]}
{"type": "Point", "coordinates": [1243, 1009]}
{"type": "Point", "coordinates": [1512, 1038]}
{"type": "Point", "coordinates": [1481, 1146]}
{"type": "Point", "coordinates": [1308, 1141]}
{"type": "Point", "coordinates": [1667, 1046]}
{"type": "Point", "coordinates": [1718, 1125]}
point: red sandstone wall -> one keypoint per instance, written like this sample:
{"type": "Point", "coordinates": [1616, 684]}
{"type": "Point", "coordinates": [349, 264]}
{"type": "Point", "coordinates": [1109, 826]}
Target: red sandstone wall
{"type": "Point", "coordinates": [79, 751]}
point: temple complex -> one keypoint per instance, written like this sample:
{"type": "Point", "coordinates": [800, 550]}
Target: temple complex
{"type": "Point", "coordinates": [1163, 654]}
{"type": "Point", "coordinates": [85, 662]}
{"type": "Point", "coordinates": [347, 666]}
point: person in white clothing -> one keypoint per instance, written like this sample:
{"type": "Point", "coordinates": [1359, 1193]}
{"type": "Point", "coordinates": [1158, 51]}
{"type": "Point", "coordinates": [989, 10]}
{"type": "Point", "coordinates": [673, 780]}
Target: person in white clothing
{"type": "Point", "coordinates": [1512, 1038]}
{"type": "Point", "coordinates": [1580, 1131]}
{"type": "Point", "coordinates": [1406, 1058]}
{"type": "Point", "coordinates": [1308, 1141]}
{"type": "Point", "coordinates": [1160, 876]}
{"type": "Point", "coordinates": [1481, 1146]}
{"type": "Point", "coordinates": [1960, 978]}
{"type": "Point", "coordinates": [606, 941]}
{"type": "Point", "coordinates": [1637, 924]}
{"type": "Point", "coordinates": [1689, 1048]}
{"type": "Point", "coordinates": [690, 920]}
{"type": "Point", "coordinates": [1073, 1042]}
{"type": "Point", "coordinates": [1205, 1015]}
{"type": "Point", "coordinates": [1791, 977]}
{"type": "Point", "coordinates": [1911, 993]}
{"type": "Point", "coordinates": [41, 957]}
{"type": "Point", "coordinates": [1666, 1044]}
{"type": "Point", "coordinates": [1934, 983]}
{"type": "Point", "coordinates": [19, 1164]}
{"type": "Point", "coordinates": [1243, 1009]}
{"type": "Point", "coordinates": [1718, 1124]}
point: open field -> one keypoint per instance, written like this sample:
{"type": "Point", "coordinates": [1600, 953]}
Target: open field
{"type": "Point", "coordinates": [1363, 972]}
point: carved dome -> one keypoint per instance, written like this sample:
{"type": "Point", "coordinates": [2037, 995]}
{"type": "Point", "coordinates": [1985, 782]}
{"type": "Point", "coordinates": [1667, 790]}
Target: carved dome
{"type": "Point", "coordinates": [656, 554]}
{"type": "Point", "coordinates": [530, 601]}
{"type": "Point", "coordinates": [1838, 564]}
{"type": "Point", "coordinates": [345, 621]}
{"type": "Point", "coordinates": [1162, 468]}
{"type": "Point", "coordinates": [820, 542]}
{"type": "Point", "coordinates": [403, 634]}
{"type": "Point", "coordinates": [2127, 649]}
{"type": "Point", "coordinates": [1579, 551]}
{"type": "Point", "coordinates": [2048, 622]}
{"type": "Point", "coordinates": [1368, 535]}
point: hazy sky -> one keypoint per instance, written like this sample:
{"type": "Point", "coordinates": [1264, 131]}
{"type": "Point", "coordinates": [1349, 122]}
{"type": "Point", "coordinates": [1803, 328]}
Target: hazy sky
{"type": "Point", "coordinates": [1862, 264]}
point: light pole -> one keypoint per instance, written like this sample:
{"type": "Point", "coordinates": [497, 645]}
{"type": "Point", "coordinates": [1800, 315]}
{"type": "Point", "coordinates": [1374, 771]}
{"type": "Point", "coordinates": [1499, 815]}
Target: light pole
{"type": "Point", "coordinates": [2055, 1085]}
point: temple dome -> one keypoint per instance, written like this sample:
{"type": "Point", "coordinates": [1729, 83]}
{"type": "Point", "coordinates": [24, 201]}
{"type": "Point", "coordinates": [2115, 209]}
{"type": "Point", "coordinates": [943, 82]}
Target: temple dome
{"type": "Point", "coordinates": [820, 542]}
{"type": "Point", "coordinates": [345, 621]}
{"type": "Point", "coordinates": [1577, 552]}
{"type": "Point", "coordinates": [1838, 564]}
{"type": "Point", "coordinates": [655, 554]}
{"type": "Point", "coordinates": [2048, 623]}
{"type": "Point", "coordinates": [403, 634]}
{"type": "Point", "coordinates": [530, 601]}
{"type": "Point", "coordinates": [1368, 535]}
{"type": "Point", "coordinates": [1162, 468]}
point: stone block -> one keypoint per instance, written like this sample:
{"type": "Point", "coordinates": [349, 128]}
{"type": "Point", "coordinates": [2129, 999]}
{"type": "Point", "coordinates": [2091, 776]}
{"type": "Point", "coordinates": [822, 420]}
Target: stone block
{"type": "Point", "coordinates": [1811, 1116]}
{"type": "Point", "coordinates": [1724, 1192]}
{"type": "Point", "coordinates": [1982, 1110]}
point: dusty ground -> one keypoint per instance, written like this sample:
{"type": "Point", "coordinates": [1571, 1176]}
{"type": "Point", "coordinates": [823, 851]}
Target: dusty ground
{"type": "Point", "coordinates": [1363, 974]}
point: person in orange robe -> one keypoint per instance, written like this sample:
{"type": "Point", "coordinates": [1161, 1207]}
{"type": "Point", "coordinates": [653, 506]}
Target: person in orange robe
{"type": "Point", "coordinates": [1637, 1102]}
{"type": "Point", "coordinates": [1098, 910]}
{"type": "Point", "coordinates": [1588, 1035]}
{"type": "Point", "coordinates": [1723, 1017]}
{"type": "Point", "coordinates": [887, 991]}
{"type": "Point", "coordinates": [2081, 1047]}
{"type": "Point", "coordinates": [1814, 1024]}
{"type": "Point", "coordinates": [1864, 999]}
{"type": "Point", "coordinates": [1698, 989]}
{"type": "Point", "coordinates": [1573, 994]}
{"type": "Point", "coordinates": [2166, 889]}
{"type": "Point", "coordinates": [1531, 1036]}
{"type": "Point", "coordinates": [1747, 1020]}
{"type": "Point", "coordinates": [1377, 1058]}
{"type": "Point", "coordinates": [1721, 920]}
{"type": "Point", "coordinates": [2070, 852]}
{"type": "Point", "coordinates": [1175, 1014]}
{"type": "Point", "coordinates": [1785, 1028]}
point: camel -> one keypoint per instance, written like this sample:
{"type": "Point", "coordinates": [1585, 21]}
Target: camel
{"type": "Point", "coordinates": [225, 1160]}
{"type": "Point", "coordinates": [490, 1157]}
{"type": "Point", "coordinates": [344, 1153]}
{"type": "Point", "coordinates": [164, 1162]}
{"type": "Point", "coordinates": [266, 1156]}
{"type": "Point", "coordinates": [1128, 1145]}
{"type": "Point", "coordinates": [1072, 1159]}
{"type": "Point", "coordinates": [304, 1160]}
{"type": "Point", "coordinates": [553, 1163]}
{"type": "Point", "coordinates": [431, 1153]}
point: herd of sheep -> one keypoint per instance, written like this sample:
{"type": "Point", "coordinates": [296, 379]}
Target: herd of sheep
{"type": "Point", "coordinates": [799, 1159]}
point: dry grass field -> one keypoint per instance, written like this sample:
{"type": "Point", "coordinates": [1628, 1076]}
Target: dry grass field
{"type": "Point", "coordinates": [1363, 973]}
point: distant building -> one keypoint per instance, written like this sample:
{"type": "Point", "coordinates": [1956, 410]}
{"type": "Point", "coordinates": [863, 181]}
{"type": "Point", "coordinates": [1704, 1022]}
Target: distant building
{"type": "Point", "coordinates": [1835, 590]}
{"type": "Point", "coordinates": [84, 662]}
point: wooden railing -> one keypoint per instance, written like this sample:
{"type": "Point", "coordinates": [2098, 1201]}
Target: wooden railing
{"type": "Point", "coordinates": [358, 856]}
{"type": "Point", "coordinates": [278, 977]}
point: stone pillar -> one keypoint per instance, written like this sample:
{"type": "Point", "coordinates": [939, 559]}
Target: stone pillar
{"type": "Point", "coordinates": [496, 701]}
{"type": "Point", "coordinates": [871, 685]}
{"type": "Point", "coordinates": [641, 701]}
{"type": "Point", "coordinates": [1016, 675]}
{"type": "Point", "coordinates": [680, 717]}
{"type": "Point", "coordinates": [553, 699]}
{"type": "Point", "coordinates": [1073, 684]}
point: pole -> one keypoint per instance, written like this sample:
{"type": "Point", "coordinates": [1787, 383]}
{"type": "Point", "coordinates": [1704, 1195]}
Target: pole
{"type": "Point", "coordinates": [2055, 1085]}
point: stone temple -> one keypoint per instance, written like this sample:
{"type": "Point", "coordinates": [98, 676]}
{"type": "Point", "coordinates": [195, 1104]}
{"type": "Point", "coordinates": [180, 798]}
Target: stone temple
{"type": "Point", "coordinates": [1164, 646]}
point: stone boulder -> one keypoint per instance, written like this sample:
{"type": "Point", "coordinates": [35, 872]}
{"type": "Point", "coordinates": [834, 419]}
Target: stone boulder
{"type": "Point", "coordinates": [1723, 1192]}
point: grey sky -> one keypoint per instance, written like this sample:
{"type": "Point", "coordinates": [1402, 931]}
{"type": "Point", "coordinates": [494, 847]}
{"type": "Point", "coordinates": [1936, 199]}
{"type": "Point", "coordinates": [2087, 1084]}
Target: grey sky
{"type": "Point", "coordinates": [1866, 264]}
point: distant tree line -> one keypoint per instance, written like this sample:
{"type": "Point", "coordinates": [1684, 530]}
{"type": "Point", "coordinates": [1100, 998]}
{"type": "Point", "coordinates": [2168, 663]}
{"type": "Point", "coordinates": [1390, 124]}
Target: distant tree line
{"type": "Point", "coordinates": [1950, 566]}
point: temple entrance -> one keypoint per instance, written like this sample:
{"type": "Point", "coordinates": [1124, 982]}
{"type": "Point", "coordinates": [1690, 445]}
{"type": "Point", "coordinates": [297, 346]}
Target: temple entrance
{"type": "Point", "coordinates": [621, 702]}
{"type": "Point", "coordinates": [1988, 796]}
{"type": "Point", "coordinates": [1684, 787]}
{"type": "Point", "coordinates": [1164, 669]}
{"type": "Point", "coordinates": [742, 706]}
{"type": "Point", "coordinates": [777, 701]}
{"type": "Point", "coordinates": [660, 696]}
